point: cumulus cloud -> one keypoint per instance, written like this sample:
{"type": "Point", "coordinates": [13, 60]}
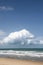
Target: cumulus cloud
{"type": "Point", "coordinates": [21, 38]}
{"type": "Point", "coordinates": [6, 8]}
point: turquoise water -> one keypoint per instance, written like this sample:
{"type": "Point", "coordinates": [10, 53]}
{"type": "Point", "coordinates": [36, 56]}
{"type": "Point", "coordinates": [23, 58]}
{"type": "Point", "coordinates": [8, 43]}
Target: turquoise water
{"type": "Point", "coordinates": [24, 49]}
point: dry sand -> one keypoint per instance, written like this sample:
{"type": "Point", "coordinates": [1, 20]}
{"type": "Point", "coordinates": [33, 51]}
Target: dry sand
{"type": "Point", "coordinates": [8, 61]}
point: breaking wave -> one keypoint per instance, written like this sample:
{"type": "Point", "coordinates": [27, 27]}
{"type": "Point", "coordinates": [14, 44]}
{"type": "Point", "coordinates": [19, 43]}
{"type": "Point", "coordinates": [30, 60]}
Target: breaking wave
{"type": "Point", "coordinates": [33, 55]}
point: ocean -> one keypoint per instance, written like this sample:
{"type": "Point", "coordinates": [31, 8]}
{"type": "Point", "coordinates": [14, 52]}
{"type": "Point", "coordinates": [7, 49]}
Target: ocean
{"type": "Point", "coordinates": [23, 53]}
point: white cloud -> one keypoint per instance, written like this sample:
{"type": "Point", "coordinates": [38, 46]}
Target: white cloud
{"type": "Point", "coordinates": [6, 8]}
{"type": "Point", "coordinates": [20, 37]}
{"type": "Point", "coordinates": [41, 41]}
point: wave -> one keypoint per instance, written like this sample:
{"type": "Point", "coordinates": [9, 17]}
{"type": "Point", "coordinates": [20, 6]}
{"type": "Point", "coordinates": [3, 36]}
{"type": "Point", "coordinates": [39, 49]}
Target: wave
{"type": "Point", "coordinates": [22, 54]}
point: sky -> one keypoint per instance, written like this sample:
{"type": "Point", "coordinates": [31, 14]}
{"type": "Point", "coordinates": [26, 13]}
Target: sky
{"type": "Point", "coordinates": [21, 15]}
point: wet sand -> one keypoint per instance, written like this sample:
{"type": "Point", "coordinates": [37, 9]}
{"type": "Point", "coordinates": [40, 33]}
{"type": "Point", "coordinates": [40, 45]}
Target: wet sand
{"type": "Point", "coordinates": [8, 61]}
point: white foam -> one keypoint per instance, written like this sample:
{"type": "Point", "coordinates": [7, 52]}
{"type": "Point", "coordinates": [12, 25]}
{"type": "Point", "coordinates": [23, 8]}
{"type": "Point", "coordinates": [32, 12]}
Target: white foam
{"type": "Point", "coordinates": [21, 53]}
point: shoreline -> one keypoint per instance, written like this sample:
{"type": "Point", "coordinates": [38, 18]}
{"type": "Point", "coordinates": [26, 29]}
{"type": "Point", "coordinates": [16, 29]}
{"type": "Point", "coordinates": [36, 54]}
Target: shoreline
{"type": "Point", "coordinates": [11, 61]}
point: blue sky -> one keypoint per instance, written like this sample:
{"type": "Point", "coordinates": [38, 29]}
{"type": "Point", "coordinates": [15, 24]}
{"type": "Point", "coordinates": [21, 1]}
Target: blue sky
{"type": "Point", "coordinates": [16, 15]}
{"type": "Point", "coordinates": [26, 14]}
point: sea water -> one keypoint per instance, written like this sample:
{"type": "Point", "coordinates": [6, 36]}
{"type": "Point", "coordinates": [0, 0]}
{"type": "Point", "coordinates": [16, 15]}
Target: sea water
{"type": "Point", "coordinates": [23, 53]}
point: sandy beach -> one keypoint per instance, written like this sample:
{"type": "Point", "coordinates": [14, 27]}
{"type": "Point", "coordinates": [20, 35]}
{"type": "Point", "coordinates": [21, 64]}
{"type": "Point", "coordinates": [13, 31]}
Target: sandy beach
{"type": "Point", "coordinates": [8, 61]}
